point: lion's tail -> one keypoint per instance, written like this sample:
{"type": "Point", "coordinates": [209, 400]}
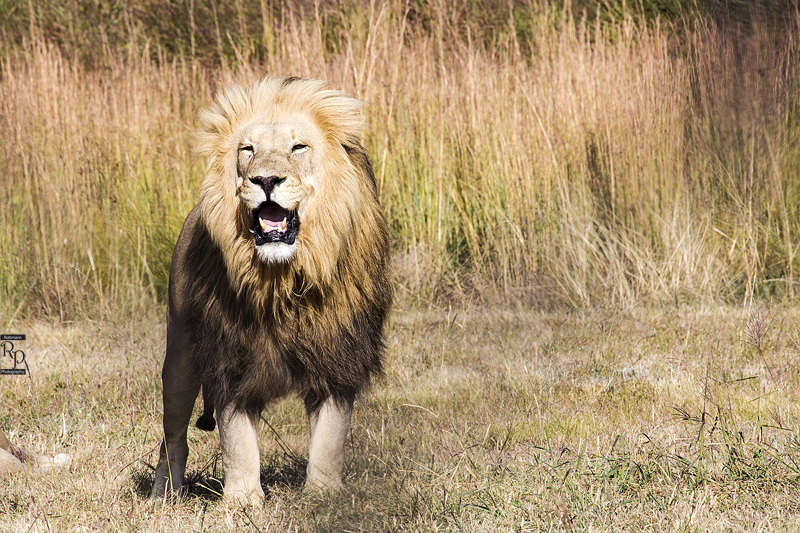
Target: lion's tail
{"type": "Point", "coordinates": [206, 421]}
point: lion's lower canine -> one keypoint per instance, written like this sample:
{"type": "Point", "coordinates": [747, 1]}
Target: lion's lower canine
{"type": "Point", "coordinates": [280, 279]}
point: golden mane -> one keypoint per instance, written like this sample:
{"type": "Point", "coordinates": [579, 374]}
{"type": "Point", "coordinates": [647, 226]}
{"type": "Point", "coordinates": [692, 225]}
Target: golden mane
{"type": "Point", "coordinates": [346, 219]}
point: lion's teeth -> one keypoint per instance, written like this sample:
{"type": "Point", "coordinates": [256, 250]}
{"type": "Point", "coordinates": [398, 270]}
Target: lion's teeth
{"type": "Point", "coordinates": [267, 225]}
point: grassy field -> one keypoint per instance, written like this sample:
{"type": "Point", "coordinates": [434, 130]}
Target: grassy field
{"type": "Point", "coordinates": [680, 419]}
{"type": "Point", "coordinates": [595, 235]}
{"type": "Point", "coordinates": [539, 152]}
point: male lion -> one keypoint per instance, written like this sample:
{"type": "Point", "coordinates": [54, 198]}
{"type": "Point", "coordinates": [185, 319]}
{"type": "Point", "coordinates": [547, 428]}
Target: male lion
{"type": "Point", "coordinates": [279, 282]}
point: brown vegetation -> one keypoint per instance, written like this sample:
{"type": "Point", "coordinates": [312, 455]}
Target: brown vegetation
{"type": "Point", "coordinates": [545, 155]}
{"type": "Point", "coordinates": [525, 154]}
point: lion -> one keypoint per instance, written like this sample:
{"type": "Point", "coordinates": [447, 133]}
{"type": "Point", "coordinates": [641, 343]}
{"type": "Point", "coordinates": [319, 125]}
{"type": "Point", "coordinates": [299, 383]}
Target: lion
{"type": "Point", "coordinates": [280, 280]}
{"type": "Point", "coordinates": [14, 459]}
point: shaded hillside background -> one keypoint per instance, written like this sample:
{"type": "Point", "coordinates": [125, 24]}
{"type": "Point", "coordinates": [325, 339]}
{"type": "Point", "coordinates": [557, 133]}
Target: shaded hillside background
{"type": "Point", "coordinates": [553, 153]}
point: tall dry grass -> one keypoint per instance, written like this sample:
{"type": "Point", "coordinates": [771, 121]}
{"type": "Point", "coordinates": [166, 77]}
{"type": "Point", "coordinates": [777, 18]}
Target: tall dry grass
{"type": "Point", "coordinates": [589, 162]}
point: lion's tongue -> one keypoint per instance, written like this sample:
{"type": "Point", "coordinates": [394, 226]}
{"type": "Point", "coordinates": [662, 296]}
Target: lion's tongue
{"type": "Point", "coordinates": [272, 217]}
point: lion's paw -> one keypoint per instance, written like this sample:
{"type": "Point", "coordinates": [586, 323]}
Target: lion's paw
{"type": "Point", "coordinates": [242, 497]}
{"type": "Point", "coordinates": [322, 485]}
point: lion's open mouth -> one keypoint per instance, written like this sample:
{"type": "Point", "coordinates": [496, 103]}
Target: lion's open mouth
{"type": "Point", "coordinates": [273, 223]}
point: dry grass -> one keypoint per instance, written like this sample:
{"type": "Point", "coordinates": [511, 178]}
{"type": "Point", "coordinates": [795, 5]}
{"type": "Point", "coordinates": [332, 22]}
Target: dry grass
{"type": "Point", "coordinates": [561, 159]}
{"type": "Point", "coordinates": [596, 165]}
{"type": "Point", "coordinates": [682, 419]}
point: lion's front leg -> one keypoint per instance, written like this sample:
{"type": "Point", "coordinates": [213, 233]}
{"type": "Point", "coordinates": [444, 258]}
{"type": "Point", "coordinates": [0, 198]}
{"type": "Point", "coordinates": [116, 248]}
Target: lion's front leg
{"type": "Point", "coordinates": [180, 392]}
{"type": "Point", "coordinates": [329, 423]}
{"type": "Point", "coordinates": [174, 452]}
{"type": "Point", "coordinates": [238, 439]}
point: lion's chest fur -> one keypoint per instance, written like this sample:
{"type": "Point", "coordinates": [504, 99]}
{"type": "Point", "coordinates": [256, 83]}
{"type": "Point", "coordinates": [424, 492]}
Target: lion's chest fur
{"type": "Point", "coordinates": [252, 357]}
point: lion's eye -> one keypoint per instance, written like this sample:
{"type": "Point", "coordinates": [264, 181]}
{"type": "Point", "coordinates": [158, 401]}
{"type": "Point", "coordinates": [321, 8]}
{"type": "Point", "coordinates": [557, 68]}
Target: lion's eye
{"type": "Point", "coordinates": [299, 148]}
{"type": "Point", "coordinates": [246, 148]}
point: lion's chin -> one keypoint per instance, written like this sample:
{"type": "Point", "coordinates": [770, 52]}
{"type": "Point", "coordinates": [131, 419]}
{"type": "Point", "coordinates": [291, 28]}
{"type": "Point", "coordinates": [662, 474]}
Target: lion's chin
{"type": "Point", "coordinates": [276, 252]}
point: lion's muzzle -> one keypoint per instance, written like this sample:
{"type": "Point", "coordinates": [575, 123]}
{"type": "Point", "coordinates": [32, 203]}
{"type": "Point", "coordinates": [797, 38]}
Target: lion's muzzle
{"type": "Point", "coordinates": [267, 183]}
{"type": "Point", "coordinates": [272, 223]}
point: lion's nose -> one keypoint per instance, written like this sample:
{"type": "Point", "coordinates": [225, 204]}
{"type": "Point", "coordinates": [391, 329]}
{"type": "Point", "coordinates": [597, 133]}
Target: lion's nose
{"type": "Point", "coordinates": [267, 182]}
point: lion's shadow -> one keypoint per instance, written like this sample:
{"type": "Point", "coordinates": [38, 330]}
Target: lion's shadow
{"type": "Point", "coordinates": [279, 469]}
